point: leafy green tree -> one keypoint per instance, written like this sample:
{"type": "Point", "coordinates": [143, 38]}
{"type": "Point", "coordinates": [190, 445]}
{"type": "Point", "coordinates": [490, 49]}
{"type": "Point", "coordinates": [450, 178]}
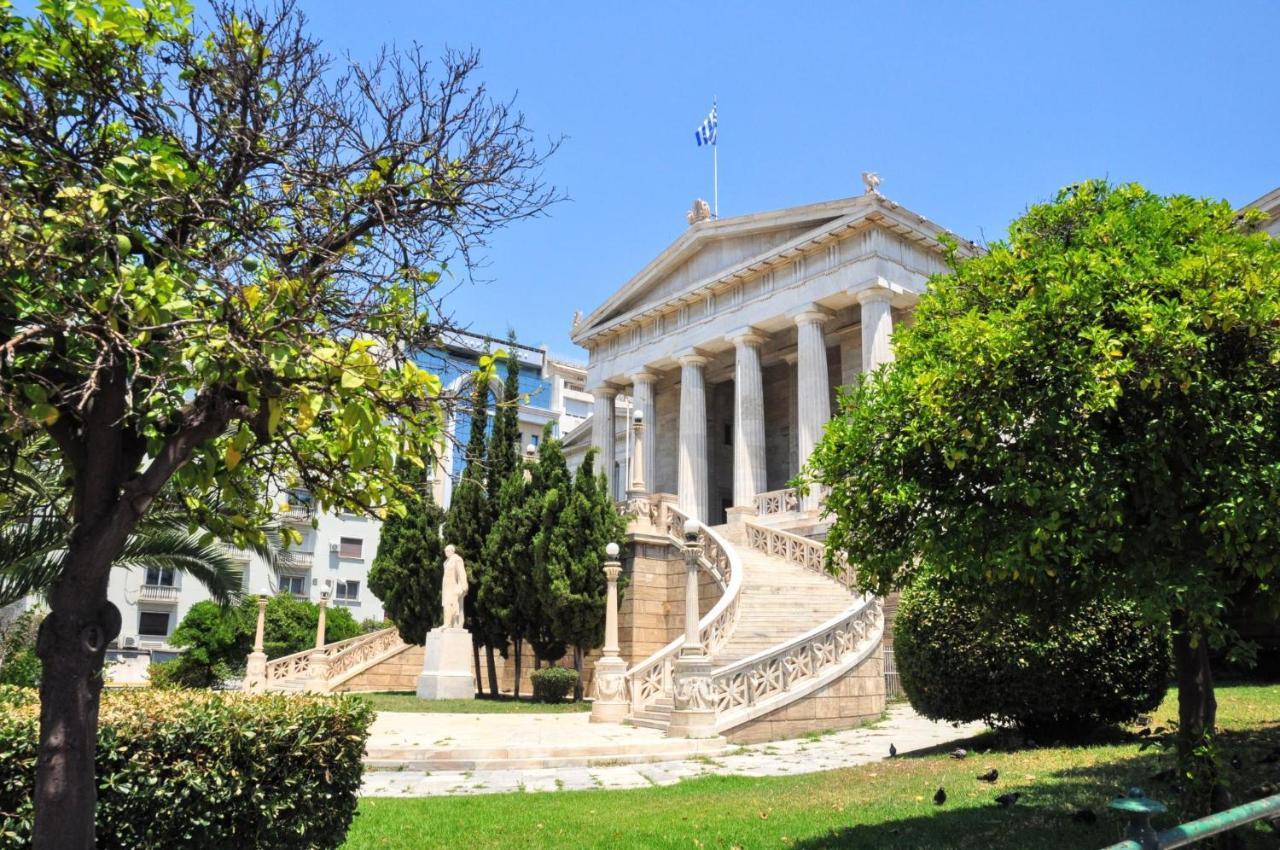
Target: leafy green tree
{"type": "Point", "coordinates": [407, 571]}
{"type": "Point", "coordinates": [467, 525]}
{"type": "Point", "coordinates": [573, 560]}
{"type": "Point", "coordinates": [218, 250]}
{"type": "Point", "coordinates": [1086, 410]}
{"type": "Point", "coordinates": [217, 639]}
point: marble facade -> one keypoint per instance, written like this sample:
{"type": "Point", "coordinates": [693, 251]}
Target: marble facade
{"type": "Point", "coordinates": [733, 341]}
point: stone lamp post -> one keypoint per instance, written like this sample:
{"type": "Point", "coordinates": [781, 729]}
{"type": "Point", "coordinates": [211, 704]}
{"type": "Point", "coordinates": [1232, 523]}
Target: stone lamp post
{"type": "Point", "coordinates": [610, 705]}
{"type": "Point", "coordinates": [693, 715]}
{"type": "Point", "coordinates": [530, 458]}
{"type": "Point", "coordinates": [255, 672]}
{"type": "Point", "coordinates": [318, 668]}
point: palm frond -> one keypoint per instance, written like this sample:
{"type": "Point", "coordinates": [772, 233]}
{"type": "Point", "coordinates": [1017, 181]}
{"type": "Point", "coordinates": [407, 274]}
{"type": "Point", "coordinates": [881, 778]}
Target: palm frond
{"type": "Point", "coordinates": [30, 558]}
{"type": "Point", "coordinates": [208, 563]}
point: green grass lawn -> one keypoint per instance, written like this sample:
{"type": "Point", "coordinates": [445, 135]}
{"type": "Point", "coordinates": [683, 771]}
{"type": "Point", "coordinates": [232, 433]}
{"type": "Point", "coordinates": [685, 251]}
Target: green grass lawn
{"type": "Point", "coordinates": [399, 701]}
{"type": "Point", "coordinates": [883, 805]}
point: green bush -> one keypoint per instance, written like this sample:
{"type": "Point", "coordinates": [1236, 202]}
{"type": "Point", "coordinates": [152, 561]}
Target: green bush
{"type": "Point", "coordinates": [191, 769]}
{"type": "Point", "coordinates": [217, 639]}
{"type": "Point", "coordinates": [963, 657]}
{"type": "Point", "coordinates": [553, 684]}
{"type": "Point", "coordinates": [18, 662]}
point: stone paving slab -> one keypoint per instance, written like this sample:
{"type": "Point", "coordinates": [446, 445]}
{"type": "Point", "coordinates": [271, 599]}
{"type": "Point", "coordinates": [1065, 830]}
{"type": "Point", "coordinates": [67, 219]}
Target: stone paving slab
{"type": "Point", "coordinates": [902, 727]}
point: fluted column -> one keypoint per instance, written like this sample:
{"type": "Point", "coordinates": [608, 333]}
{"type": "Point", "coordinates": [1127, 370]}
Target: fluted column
{"type": "Point", "coordinates": [813, 399]}
{"type": "Point", "coordinates": [692, 478]}
{"type": "Point", "coordinates": [610, 705]}
{"type": "Point", "coordinates": [642, 389]}
{"type": "Point", "coordinates": [877, 327]}
{"type": "Point", "coordinates": [604, 432]}
{"type": "Point", "coordinates": [748, 420]}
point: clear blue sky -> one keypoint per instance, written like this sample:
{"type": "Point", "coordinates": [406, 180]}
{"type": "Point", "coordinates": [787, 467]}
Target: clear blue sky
{"type": "Point", "coordinates": [968, 111]}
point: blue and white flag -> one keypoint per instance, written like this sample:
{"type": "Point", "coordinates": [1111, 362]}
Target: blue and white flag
{"type": "Point", "coordinates": [706, 133]}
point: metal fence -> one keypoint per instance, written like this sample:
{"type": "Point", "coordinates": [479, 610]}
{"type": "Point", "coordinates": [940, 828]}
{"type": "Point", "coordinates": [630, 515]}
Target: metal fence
{"type": "Point", "coordinates": [1141, 836]}
{"type": "Point", "coordinates": [892, 684]}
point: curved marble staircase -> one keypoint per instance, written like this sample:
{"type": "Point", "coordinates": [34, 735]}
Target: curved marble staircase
{"type": "Point", "coordinates": [332, 667]}
{"type": "Point", "coordinates": [784, 631]}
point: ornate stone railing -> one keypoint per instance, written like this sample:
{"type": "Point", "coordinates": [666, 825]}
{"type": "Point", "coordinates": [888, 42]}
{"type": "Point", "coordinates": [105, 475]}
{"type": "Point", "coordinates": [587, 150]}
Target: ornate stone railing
{"type": "Point", "coordinates": [759, 684]}
{"type": "Point", "coordinates": [782, 501]}
{"type": "Point", "coordinates": [357, 654]}
{"type": "Point", "coordinates": [801, 551]}
{"type": "Point", "coordinates": [298, 665]}
{"type": "Point", "coordinates": [651, 678]}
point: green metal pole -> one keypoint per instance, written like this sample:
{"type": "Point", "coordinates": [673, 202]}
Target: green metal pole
{"type": "Point", "coordinates": [1189, 833]}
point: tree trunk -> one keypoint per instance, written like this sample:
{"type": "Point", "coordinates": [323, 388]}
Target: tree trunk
{"type": "Point", "coordinates": [493, 671]}
{"type": "Point", "coordinates": [1197, 707]}
{"type": "Point", "coordinates": [519, 650]}
{"type": "Point", "coordinates": [1197, 715]}
{"type": "Point", "coordinates": [71, 646]}
{"type": "Point", "coordinates": [475, 651]}
{"type": "Point", "coordinates": [577, 665]}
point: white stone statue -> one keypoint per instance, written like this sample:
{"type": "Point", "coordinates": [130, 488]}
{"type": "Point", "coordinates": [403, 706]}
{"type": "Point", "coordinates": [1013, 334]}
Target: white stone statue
{"type": "Point", "coordinates": [453, 588]}
{"type": "Point", "coordinates": [872, 181]}
{"type": "Point", "coordinates": [700, 211]}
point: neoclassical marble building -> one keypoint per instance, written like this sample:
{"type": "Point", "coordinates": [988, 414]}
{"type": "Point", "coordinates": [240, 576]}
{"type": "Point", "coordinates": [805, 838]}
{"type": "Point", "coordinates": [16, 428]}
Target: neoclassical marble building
{"type": "Point", "coordinates": [733, 340]}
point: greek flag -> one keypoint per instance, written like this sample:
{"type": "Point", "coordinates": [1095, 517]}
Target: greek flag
{"type": "Point", "coordinates": [706, 133]}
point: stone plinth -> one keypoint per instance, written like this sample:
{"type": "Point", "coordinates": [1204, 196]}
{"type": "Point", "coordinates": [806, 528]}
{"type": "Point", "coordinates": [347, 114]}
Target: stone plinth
{"type": "Point", "coordinates": [446, 666]}
{"type": "Point", "coordinates": [611, 704]}
{"type": "Point", "coordinates": [255, 673]}
{"type": "Point", "coordinates": [693, 716]}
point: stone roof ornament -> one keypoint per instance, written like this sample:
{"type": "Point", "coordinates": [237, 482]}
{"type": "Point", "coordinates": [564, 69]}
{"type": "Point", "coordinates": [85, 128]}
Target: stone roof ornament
{"type": "Point", "coordinates": [872, 181]}
{"type": "Point", "coordinates": [700, 211]}
{"type": "Point", "coordinates": [577, 319]}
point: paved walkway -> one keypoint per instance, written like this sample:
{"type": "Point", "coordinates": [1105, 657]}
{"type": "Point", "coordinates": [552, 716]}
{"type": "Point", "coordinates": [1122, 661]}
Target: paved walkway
{"type": "Point", "coordinates": [903, 728]}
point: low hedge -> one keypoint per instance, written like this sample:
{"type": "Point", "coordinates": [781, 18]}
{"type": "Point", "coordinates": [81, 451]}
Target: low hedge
{"type": "Point", "coordinates": [189, 769]}
{"type": "Point", "coordinates": [553, 684]}
{"type": "Point", "coordinates": [964, 657]}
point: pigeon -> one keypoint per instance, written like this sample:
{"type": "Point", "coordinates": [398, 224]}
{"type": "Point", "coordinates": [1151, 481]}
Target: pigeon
{"type": "Point", "coordinates": [1007, 800]}
{"type": "Point", "coordinates": [990, 776]}
{"type": "Point", "coordinates": [1084, 816]}
{"type": "Point", "coordinates": [893, 751]}
{"type": "Point", "coordinates": [959, 753]}
{"type": "Point", "coordinates": [940, 796]}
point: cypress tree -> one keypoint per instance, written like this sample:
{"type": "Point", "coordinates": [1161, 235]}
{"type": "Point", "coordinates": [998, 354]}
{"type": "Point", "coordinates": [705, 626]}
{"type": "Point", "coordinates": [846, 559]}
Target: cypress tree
{"type": "Point", "coordinates": [575, 556]}
{"type": "Point", "coordinates": [550, 490]}
{"type": "Point", "coordinates": [468, 520]}
{"type": "Point", "coordinates": [407, 571]}
{"type": "Point", "coordinates": [504, 444]}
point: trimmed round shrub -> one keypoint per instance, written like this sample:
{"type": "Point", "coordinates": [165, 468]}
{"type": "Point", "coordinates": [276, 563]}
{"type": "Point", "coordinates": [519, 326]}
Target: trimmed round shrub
{"type": "Point", "coordinates": [179, 770]}
{"type": "Point", "coordinates": [964, 657]}
{"type": "Point", "coordinates": [553, 684]}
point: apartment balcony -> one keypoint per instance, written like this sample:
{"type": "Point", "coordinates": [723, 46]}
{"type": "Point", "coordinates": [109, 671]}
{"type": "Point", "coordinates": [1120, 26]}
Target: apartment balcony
{"type": "Point", "coordinates": [158, 593]}
{"type": "Point", "coordinates": [294, 512]}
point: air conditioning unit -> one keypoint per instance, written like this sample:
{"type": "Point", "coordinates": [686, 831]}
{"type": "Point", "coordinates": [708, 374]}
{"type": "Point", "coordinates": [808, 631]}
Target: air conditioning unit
{"type": "Point", "coordinates": [130, 642]}
{"type": "Point", "coordinates": [333, 547]}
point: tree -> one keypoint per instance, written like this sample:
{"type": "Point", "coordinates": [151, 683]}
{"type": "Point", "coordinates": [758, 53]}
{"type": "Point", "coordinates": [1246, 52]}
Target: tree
{"type": "Point", "coordinates": [468, 520]}
{"type": "Point", "coordinates": [1085, 410]}
{"type": "Point", "coordinates": [218, 249]}
{"type": "Point", "coordinates": [407, 571]}
{"type": "Point", "coordinates": [551, 486]}
{"type": "Point", "coordinates": [573, 560]}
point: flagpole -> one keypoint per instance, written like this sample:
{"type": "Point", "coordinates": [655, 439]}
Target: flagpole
{"type": "Point", "coordinates": [715, 164]}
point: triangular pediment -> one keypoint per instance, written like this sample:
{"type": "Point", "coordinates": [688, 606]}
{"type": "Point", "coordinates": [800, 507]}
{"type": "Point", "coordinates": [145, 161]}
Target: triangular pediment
{"type": "Point", "coordinates": [708, 248]}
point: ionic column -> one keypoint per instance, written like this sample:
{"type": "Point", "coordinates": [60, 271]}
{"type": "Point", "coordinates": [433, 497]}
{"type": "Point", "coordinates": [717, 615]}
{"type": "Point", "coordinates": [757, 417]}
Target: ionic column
{"type": "Point", "coordinates": [748, 420]}
{"type": "Point", "coordinates": [877, 327]}
{"type": "Point", "coordinates": [812, 392]}
{"type": "Point", "coordinates": [642, 388]}
{"type": "Point", "coordinates": [692, 478]}
{"type": "Point", "coordinates": [604, 433]}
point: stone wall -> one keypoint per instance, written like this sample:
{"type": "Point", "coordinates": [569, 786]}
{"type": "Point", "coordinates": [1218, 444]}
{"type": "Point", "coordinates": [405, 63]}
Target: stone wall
{"type": "Point", "coordinates": [854, 699]}
{"type": "Point", "coordinates": [397, 673]}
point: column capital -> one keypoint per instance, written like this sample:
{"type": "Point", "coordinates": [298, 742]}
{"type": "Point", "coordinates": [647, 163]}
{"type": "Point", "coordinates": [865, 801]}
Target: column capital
{"type": "Point", "coordinates": [811, 314]}
{"type": "Point", "coordinates": [604, 391]}
{"type": "Point", "coordinates": [747, 336]}
{"type": "Point", "coordinates": [692, 357]}
{"type": "Point", "coordinates": [874, 295]}
{"type": "Point", "coordinates": [644, 376]}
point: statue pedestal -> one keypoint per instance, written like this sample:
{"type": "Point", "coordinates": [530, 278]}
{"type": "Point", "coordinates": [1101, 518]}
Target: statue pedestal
{"type": "Point", "coordinates": [446, 666]}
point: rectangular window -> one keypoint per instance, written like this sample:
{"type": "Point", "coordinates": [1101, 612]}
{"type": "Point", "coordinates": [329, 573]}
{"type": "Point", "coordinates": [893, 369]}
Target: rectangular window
{"type": "Point", "coordinates": [153, 623]}
{"type": "Point", "coordinates": [350, 547]}
{"type": "Point", "coordinates": [160, 576]}
{"type": "Point", "coordinates": [347, 591]}
{"type": "Point", "coordinates": [533, 440]}
{"type": "Point", "coordinates": [296, 585]}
